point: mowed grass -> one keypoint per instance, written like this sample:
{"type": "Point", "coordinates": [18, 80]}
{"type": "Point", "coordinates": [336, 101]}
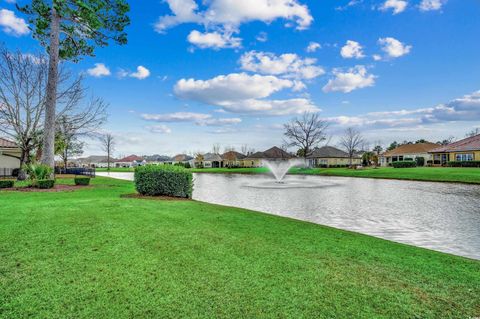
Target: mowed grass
{"type": "Point", "coordinates": [92, 254]}
{"type": "Point", "coordinates": [435, 174]}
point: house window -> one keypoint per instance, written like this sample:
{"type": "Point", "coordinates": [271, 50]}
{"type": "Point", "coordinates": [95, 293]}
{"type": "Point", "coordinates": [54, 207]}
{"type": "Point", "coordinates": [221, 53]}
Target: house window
{"type": "Point", "coordinates": [464, 157]}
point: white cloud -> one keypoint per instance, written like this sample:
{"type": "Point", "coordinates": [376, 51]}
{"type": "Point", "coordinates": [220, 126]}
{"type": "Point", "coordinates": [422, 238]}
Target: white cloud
{"type": "Point", "coordinates": [142, 73]}
{"type": "Point", "coordinates": [214, 40]}
{"type": "Point", "coordinates": [272, 107]}
{"type": "Point", "coordinates": [225, 89]}
{"type": "Point", "coordinates": [230, 14]}
{"type": "Point", "coordinates": [352, 49]}
{"type": "Point", "coordinates": [313, 46]}
{"type": "Point", "coordinates": [161, 129]}
{"type": "Point", "coordinates": [351, 3]}
{"type": "Point", "coordinates": [431, 5]}
{"type": "Point", "coordinates": [176, 117]}
{"type": "Point", "coordinates": [99, 70]}
{"type": "Point", "coordinates": [219, 121]}
{"type": "Point", "coordinates": [200, 119]}
{"type": "Point", "coordinates": [289, 65]}
{"type": "Point", "coordinates": [262, 37]}
{"type": "Point", "coordinates": [394, 48]}
{"type": "Point", "coordinates": [243, 93]}
{"type": "Point", "coordinates": [11, 24]}
{"type": "Point", "coordinates": [10, 1]}
{"type": "Point", "coordinates": [397, 6]}
{"type": "Point", "coordinates": [353, 79]}
{"type": "Point", "coordinates": [377, 57]}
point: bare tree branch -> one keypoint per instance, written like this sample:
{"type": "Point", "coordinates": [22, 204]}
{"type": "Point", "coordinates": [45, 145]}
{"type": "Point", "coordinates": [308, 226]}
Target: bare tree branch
{"type": "Point", "coordinates": [306, 132]}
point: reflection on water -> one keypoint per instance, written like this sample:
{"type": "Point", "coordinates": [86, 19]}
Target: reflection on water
{"type": "Point", "coordinates": [439, 216]}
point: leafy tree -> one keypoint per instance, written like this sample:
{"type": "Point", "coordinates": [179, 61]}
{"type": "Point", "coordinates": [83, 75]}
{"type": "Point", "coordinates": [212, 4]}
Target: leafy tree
{"type": "Point", "coordinates": [393, 146]}
{"type": "Point", "coordinates": [71, 29]}
{"type": "Point", "coordinates": [421, 141]}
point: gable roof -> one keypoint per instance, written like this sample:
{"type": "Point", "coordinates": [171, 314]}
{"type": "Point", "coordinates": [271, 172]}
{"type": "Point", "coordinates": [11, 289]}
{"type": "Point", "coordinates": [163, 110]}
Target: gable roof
{"type": "Point", "coordinates": [411, 149]}
{"type": "Point", "coordinates": [232, 155]}
{"type": "Point", "coordinates": [467, 144]}
{"type": "Point", "coordinates": [7, 144]}
{"type": "Point", "coordinates": [328, 152]}
{"type": "Point", "coordinates": [131, 158]}
{"type": "Point", "coordinates": [271, 153]}
{"type": "Point", "coordinates": [181, 158]}
{"type": "Point", "coordinates": [210, 157]}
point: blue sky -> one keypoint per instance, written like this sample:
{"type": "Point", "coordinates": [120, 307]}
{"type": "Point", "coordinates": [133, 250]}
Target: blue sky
{"type": "Point", "coordinates": [197, 73]}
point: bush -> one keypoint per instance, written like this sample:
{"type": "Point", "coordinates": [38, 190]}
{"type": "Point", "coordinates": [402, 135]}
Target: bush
{"type": "Point", "coordinates": [6, 183]}
{"type": "Point", "coordinates": [15, 172]}
{"type": "Point", "coordinates": [463, 164]}
{"type": "Point", "coordinates": [37, 172]}
{"type": "Point", "coordinates": [420, 161]}
{"type": "Point", "coordinates": [83, 181]}
{"type": "Point", "coordinates": [45, 183]}
{"type": "Point", "coordinates": [166, 180]}
{"type": "Point", "coordinates": [404, 164]}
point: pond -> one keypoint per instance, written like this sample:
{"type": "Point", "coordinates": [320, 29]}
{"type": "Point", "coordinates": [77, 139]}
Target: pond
{"type": "Point", "coordinates": [438, 216]}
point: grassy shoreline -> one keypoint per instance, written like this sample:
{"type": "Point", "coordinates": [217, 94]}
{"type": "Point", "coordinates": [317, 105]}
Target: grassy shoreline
{"type": "Point", "coordinates": [92, 253]}
{"type": "Point", "coordinates": [428, 174]}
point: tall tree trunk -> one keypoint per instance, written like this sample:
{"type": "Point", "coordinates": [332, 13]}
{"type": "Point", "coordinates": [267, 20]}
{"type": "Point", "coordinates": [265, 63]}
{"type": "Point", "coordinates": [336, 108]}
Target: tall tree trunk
{"type": "Point", "coordinates": [108, 160]}
{"type": "Point", "coordinates": [48, 154]}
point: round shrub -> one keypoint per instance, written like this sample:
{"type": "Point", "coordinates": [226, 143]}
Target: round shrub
{"type": "Point", "coordinates": [404, 164]}
{"type": "Point", "coordinates": [164, 180]}
{"type": "Point", "coordinates": [7, 183]}
{"type": "Point", "coordinates": [82, 181]}
{"type": "Point", "coordinates": [45, 183]}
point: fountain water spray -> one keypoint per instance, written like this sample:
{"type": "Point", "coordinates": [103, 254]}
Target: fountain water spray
{"type": "Point", "coordinates": [280, 168]}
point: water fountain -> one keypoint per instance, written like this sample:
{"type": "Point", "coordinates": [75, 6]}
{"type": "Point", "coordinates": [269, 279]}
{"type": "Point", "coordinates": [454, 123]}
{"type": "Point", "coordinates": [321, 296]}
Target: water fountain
{"type": "Point", "coordinates": [279, 170]}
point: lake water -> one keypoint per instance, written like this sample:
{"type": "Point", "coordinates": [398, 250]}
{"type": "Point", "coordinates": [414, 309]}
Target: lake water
{"type": "Point", "coordinates": [438, 216]}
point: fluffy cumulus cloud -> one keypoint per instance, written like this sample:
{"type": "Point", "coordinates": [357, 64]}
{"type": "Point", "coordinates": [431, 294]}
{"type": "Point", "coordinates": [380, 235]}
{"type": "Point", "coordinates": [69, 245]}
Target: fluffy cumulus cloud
{"type": "Point", "coordinates": [225, 89]}
{"type": "Point", "coordinates": [397, 6]}
{"type": "Point", "coordinates": [243, 93]}
{"type": "Point", "coordinates": [349, 80]}
{"type": "Point", "coordinates": [352, 49]}
{"type": "Point", "coordinates": [394, 48]}
{"type": "Point", "coordinates": [288, 65]}
{"type": "Point", "coordinates": [141, 73]}
{"type": "Point", "coordinates": [431, 5]}
{"type": "Point", "coordinates": [215, 40]}
{"type": "Point", "coordinates": [313, 46]}
{"type": "Point", "coordinates": [12, 24]}
{"type": "Point", "coordinates": [99, 70]}
{"type": "Point", "coordinates": [160, 129]}
{"type": "Point", "coordinates": [197, 118]}
{"type": "Point", "coordinates": [230, 14]}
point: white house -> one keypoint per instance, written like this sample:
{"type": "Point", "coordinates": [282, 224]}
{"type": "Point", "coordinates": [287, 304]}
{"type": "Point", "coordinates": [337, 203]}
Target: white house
{"type": "Point", "coordinates": [10, 155]}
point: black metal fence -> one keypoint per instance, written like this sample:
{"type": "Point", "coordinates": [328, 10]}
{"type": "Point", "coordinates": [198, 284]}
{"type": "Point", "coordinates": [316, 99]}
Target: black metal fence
{"type": "Point", "coordinates": [76, 171]}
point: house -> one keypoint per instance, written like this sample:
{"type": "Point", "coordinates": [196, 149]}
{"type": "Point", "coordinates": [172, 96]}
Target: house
{"type": "Point", "coordinates": [272, 154]}
{"type": "Point", "coordinates": [94, 161]}
{"type": "Point", "coordinates": [328, 156]}
{"type": "Point", "coordinates": [212, 160]}
{"type": "Point", "coordinates": [10, 155]}
{"type": "Point", "coordinates": [130, 161]}
{"type": "Point", "coordinates": [467, 149]}
{"type": "Point", "coordinates": [157, 159]}
{"type": "Point", "coordinates": [232, 159]}
{"type": "Point", "coordinates": [408, 152]}
{"type": "Point", "coordinates": [181, 158]}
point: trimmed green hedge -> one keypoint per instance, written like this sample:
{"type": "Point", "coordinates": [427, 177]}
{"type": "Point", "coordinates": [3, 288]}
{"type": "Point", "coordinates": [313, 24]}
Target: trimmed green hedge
{"type": "Point", "coordinates": [7, 183]}
{"type": "Point", "coordinates": [404, 164]}
{"type": "Point", "coordinates": [82, 181]}
{"type": "Point", "coordinates": [164, 180]}
{"type": "Point", "coordinates": [45, 183]}
{"type": "Point", "coordinates": [464, 164]}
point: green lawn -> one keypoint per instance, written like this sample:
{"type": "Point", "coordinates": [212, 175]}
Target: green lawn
{"type": "Point", "coordinates": [438, 174]}
{"type": "Point", "coordinates": [92, 254]}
